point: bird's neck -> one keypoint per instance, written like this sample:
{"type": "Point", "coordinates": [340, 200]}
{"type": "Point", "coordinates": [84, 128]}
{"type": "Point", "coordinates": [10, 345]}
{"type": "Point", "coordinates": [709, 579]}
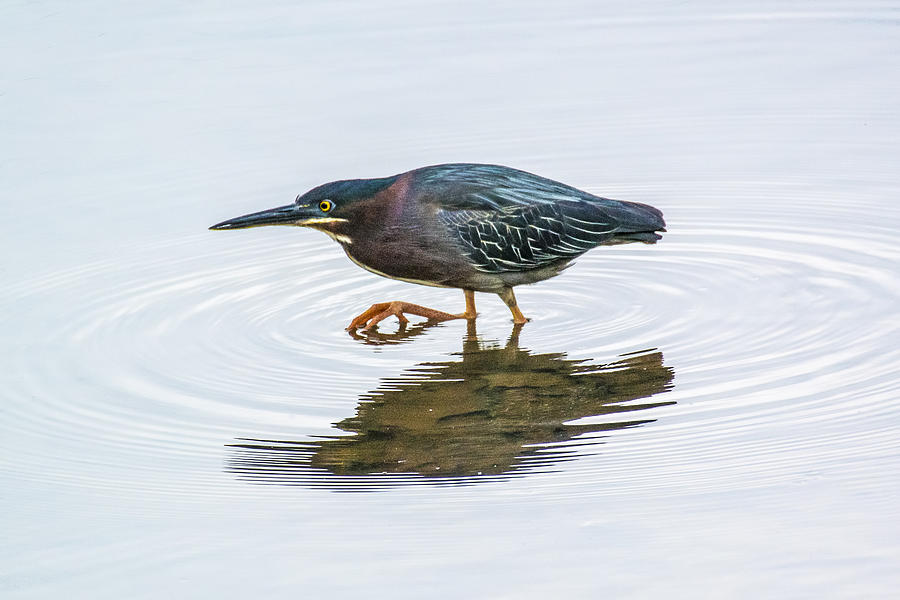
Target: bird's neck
{"type": "Point", "coordinates": [336, 230]}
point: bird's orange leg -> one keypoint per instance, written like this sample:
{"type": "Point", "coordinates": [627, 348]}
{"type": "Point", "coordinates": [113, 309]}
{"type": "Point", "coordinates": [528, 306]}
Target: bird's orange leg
{"type": "Point", "coordinates": [510, 299]}
{"type": "Point", "coordinates": [470, 305]}
{"type": "Point", "coordinates": [382, 310]}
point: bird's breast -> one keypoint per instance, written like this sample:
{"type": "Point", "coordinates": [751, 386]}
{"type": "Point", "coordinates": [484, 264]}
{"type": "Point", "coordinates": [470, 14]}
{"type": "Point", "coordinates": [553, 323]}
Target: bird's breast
{"type": "Point", "coordinates": [407, 272]}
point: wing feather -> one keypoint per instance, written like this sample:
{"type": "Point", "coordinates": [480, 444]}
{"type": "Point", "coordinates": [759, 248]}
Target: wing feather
{"type": "Point", "coordinates": [509, 220]}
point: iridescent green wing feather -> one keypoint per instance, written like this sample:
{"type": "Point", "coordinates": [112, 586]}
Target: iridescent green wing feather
{"type": "Point", "coordinates": [508, 220]}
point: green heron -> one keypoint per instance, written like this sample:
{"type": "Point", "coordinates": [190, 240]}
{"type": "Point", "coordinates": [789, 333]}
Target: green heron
{"type": "Point", "coordinates": [481, 228]}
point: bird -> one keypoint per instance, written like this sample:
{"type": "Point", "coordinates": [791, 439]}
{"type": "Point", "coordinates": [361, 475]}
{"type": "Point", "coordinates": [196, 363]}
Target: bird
{"type": "Point", "coordinates": [477, 227]}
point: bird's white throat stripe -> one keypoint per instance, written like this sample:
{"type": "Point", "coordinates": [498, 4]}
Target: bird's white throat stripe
{"type": "Point", "coordinates": [318, 220]}
{"type": "Point", "coordinates": [344, 239]}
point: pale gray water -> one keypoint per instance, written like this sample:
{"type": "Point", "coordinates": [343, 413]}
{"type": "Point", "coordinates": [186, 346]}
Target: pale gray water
{"type": "Point", "coordinates": [714, 416]}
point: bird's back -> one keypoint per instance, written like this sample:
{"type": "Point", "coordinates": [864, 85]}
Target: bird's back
{"type": "Point", "coordinates": [507, 220]}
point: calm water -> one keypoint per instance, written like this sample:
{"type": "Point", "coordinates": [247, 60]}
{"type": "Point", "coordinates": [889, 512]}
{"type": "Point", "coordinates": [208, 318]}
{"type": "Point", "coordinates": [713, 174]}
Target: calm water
{"type": "Point", "coordinates": [184, 416]}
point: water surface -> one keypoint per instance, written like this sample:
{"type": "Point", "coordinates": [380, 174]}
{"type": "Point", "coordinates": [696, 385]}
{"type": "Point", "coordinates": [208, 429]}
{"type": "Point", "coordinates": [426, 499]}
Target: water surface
{"type": "Point", "coordinates": [183, 414]}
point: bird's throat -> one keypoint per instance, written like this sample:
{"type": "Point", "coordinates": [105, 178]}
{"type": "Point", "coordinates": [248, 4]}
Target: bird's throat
{"type": "Point", "coordinates": [330, 226]}
{"type": "Point", "coordinates": [313, 222]}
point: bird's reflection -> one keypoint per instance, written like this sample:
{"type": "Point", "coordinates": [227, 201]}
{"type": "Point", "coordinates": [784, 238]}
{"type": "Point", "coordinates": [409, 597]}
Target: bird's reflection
{"type": "Point", "coordinates": [494, 411]}
{"type": "Point", "coordinates": [405, 333]}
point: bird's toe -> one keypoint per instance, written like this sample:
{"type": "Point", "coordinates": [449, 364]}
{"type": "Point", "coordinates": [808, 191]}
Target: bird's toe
{"type": "Point", "coordinates": [380, 311]}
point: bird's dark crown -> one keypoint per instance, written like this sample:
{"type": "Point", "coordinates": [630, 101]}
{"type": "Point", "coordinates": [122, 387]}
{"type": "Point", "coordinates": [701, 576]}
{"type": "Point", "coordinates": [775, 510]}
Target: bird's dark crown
{"type": "Point", "coordinates": [346, 191]}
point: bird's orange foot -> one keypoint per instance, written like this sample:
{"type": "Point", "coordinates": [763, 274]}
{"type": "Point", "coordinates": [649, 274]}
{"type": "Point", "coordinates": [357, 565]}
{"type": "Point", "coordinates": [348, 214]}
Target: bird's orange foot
{"type": "Point", "coordinates": [382, 310]}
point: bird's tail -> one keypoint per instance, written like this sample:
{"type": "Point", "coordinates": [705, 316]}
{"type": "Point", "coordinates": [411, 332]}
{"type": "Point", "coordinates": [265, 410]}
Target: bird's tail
{"type": "Point", "coordinates": [637, 223]}
{"type": "Point", "coordinates": [646, 237]}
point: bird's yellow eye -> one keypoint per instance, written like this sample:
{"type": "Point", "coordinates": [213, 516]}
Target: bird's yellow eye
{"type": "Point", "coordinates": [325, 205]}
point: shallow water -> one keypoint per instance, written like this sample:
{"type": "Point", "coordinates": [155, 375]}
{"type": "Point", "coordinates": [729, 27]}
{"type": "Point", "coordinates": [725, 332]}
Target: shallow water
{"type": "Point", "coordinates": [183, 414]}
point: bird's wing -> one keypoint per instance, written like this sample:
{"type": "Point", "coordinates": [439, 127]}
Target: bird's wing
{"type": "Point", "coordinates": [517, 221]}
{"type": "Point", "coordinates": [493, 187]}
{"type": "Point", "coordinates": [528, 237]}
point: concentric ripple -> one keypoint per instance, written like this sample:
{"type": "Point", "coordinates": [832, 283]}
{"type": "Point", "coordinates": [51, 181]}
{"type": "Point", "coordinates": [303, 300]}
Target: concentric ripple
{"type": "Point", "coordinates": [779, 321]}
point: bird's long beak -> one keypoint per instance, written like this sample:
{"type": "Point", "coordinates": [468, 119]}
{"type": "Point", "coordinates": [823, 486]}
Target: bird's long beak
{"type": "Point", "coordinates": [283, 215]}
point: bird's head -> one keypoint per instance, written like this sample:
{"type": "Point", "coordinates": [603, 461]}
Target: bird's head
{"type": "Point", "coordinates": [331, 208]}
